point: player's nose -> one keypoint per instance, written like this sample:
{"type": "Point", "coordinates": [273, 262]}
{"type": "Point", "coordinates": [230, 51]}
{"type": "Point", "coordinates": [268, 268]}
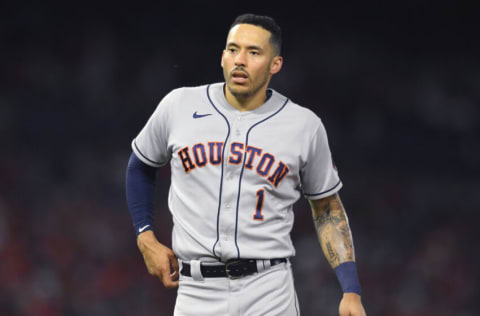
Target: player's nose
{"type": "Point", "coordinates": [240, 59]}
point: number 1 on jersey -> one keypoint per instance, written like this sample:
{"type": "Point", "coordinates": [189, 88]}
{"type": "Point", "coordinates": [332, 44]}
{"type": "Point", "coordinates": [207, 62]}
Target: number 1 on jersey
{"type": "Point", "coordinates": [258, 216]}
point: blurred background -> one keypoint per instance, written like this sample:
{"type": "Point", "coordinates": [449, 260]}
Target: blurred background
{"type": "Point", "coordinates": [397, 86]}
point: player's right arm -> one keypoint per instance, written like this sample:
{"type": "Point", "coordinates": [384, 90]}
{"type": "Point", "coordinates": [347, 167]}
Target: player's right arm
{"type": "Point", "coordinates": [140, 186]}
{"type": "Point", "coordinates": [151, 151]}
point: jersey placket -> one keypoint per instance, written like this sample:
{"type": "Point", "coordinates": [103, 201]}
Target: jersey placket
{"type": "Point", "coordinates": [231, 180]}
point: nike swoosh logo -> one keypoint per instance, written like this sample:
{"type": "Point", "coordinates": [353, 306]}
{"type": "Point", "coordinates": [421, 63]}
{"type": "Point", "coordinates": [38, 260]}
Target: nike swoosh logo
{"type": "Point", "coordinates": [143, 228]}
{"type": "Point", "coordinates": [195, 115]}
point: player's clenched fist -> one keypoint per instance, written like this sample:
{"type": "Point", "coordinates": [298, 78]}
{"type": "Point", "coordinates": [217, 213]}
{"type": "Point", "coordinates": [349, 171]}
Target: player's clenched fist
{"type": "Point", "coordinates": [351, 305]}
{"type": "Point", "coordinates": [159, 259]}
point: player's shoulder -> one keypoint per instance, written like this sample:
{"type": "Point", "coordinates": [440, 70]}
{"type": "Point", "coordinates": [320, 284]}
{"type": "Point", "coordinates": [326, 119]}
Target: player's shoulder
{"type": "Point", "coordinates": [302, 114]}
{"type": "Point", "coordinates": [188, 91]}
{"type": "Point", "coordinates": [180, 98]}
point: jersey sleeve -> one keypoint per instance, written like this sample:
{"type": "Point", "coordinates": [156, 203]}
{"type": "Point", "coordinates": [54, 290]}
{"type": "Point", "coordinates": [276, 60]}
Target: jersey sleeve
{"type": "Point", "coordinates": [319, 175]}
{"type": "Point", "coordinates": [151, 144]}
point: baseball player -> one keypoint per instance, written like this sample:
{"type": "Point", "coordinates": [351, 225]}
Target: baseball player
{"type": "Point", "coordinates": [241, 155]}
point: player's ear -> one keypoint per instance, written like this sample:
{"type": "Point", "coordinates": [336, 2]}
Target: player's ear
{"type": "Point", "coordinates": [276, 64]}
{"type": "Point", "coordinates": [223, 54]}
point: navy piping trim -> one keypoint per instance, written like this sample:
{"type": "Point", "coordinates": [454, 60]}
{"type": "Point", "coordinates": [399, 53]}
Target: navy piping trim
{"type": "Point", "coordinates": [136, 147]}
{"type": "Point", "coordinates": [313, 194]}
{"type": "Point", "coordinates": [221, 177]}
{"type": "Point", "coordinates": [243, 167]}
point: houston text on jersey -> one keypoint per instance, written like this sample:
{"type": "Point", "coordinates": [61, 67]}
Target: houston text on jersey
{"type": "Point", "coordinates": [197, 157]}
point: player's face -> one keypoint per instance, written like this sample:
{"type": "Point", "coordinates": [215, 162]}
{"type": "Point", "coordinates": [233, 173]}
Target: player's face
{"type": "Point", "coordinates": [249, 61]}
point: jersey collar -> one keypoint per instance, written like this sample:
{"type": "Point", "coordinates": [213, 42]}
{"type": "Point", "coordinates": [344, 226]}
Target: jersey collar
{"type": "Point", "coordinates": [273, 102]}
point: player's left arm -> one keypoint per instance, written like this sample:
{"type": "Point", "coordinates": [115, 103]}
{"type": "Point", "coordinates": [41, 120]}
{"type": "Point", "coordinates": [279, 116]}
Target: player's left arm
{"type": "Point", "coordinates": [335, 236]}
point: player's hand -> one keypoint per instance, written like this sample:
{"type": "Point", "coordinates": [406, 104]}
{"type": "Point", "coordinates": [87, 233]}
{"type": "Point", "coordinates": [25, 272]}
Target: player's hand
{"type": "Point", "coordinates": [351, 305]}
{"type": "Point", "coordinates": [159, 259]}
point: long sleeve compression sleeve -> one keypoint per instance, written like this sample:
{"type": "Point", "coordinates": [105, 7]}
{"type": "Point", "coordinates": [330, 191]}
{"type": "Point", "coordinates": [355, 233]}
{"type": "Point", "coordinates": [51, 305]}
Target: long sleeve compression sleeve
{"type": "Point", "coordinates": [140, 188]}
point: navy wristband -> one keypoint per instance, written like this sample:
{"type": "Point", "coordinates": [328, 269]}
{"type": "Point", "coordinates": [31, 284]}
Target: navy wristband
{"type": "Point", "coordinates": [348, 277]}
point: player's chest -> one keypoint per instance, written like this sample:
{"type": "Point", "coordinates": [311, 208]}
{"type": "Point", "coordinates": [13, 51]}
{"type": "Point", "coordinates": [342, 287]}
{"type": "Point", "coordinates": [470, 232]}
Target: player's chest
{"type": "Point", "coordinates": [262, 146]}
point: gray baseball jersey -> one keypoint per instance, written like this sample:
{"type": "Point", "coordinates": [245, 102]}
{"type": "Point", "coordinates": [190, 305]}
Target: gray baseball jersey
{"type": "Point", "coordinates": [236, 175]}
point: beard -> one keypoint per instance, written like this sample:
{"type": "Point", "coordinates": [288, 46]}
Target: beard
{"type": "Point", "coordinates": [252, 87]}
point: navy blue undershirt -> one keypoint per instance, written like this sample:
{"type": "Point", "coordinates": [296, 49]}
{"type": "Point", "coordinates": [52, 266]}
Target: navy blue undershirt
{"type": "Point", "coordinates": [140, 188]}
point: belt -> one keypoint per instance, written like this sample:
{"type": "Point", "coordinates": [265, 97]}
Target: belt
{"type": "Point", "coordinates": [232, 269]}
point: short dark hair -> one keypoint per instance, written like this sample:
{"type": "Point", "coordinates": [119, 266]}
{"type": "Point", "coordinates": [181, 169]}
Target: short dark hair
{"type": "Point", "coordinates": [266, 23]}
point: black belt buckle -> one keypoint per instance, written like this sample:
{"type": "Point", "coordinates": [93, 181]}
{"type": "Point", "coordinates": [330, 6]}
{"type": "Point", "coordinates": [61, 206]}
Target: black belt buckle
{"type": "Point", "coordinates": [233, 269]}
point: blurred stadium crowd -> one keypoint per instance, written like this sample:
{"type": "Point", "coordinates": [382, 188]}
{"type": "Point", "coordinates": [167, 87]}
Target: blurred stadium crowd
{"type": "Point", "coordinates": [400, 102]}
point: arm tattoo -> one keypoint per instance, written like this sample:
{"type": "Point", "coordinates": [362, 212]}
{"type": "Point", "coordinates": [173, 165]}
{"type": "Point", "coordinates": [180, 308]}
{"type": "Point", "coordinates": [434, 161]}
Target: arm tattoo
{"type": "Point", "coordinates": [330, 250]}
{"type": "Point", "coordinates": [333, 231]}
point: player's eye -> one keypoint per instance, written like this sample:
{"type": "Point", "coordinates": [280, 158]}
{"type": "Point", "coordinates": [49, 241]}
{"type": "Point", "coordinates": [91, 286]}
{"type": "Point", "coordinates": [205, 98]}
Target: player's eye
{"type": "Point", "coordinates": [232, 50]}
{"type": "Point", "coordinates": [253, 52]}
